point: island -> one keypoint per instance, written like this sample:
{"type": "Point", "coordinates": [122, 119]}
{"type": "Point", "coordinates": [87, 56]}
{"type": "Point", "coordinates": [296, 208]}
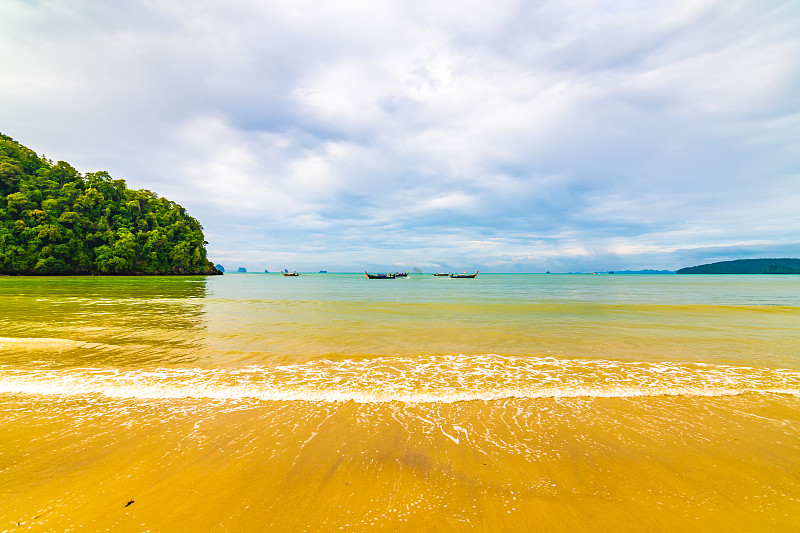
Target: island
{"type": "Point", "coordinates": [53, 220]}
{"type": "Point", "coordinates": [747, 266]}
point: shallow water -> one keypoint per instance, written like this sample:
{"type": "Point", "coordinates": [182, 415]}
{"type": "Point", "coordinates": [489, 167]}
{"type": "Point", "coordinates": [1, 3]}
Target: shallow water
{"type": "Point", "coordinates": [336, 403]}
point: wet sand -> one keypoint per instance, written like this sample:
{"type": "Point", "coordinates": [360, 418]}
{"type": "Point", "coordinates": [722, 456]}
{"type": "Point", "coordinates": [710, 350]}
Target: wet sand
{"type": "Point", "coordinates": [570, 464]}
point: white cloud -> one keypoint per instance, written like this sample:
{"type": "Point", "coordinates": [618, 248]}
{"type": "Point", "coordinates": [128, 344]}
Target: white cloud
{"type": "Point", "coordinates": [507, 134]}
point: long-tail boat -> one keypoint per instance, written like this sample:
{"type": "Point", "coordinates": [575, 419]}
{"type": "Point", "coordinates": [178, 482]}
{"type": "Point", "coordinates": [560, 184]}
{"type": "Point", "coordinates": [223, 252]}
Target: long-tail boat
{"type": "Point", "coordinates": [463, 275]}
{"type": "Point", "coordinates": [380, 276]}
{"type": "Point", "coordinates": [401, 274]}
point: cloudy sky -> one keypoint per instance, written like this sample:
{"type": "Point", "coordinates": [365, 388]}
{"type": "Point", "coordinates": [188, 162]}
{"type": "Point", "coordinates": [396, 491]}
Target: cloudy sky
{"type": "Point", "coordinates": [505, 136]}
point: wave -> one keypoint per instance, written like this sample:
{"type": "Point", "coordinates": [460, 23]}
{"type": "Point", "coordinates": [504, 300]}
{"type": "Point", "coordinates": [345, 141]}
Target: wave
{"type": "Point", "coordinates": [408, 380]}
{"type": "Point", "coordinates": [40, 343]}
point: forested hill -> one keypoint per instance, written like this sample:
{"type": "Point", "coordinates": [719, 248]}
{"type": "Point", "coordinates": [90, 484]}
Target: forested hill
{"type": "Point", "coordinates": [55, 221]}
{"type": "Point", "coordinates": [747, 266]}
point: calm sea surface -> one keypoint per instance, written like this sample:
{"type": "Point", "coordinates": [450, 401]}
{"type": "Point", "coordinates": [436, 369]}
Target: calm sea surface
{"type": "Point", "coordinates": [508, 402]}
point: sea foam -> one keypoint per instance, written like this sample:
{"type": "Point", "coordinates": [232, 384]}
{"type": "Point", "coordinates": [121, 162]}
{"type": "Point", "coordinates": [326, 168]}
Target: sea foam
{"type": "Point", "coordinates": [405, 379]}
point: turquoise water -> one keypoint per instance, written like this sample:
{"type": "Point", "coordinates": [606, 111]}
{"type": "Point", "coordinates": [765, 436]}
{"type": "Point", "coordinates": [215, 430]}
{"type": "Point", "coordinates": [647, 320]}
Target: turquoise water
{"type": "Point", "coordinates": [332, 325]}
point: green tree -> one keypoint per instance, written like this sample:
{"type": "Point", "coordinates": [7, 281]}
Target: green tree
{"type": "Point", "coordinates": [55, 221]}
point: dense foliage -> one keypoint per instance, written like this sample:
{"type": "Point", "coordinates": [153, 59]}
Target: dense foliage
{"type": "Point", "coordinates": [747, 266]}
{"type": "Point", "coordinates": [55, 221]}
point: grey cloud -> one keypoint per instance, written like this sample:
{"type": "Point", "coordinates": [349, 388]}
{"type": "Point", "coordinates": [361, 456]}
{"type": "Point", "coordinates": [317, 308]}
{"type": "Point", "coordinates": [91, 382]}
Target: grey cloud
{"type": "Point", "coordinates": [511, 135]}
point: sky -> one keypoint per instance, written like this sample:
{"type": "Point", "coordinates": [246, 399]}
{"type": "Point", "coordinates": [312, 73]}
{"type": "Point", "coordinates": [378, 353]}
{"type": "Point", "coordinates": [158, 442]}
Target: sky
{"type": "Point", "coordinates": [501, 136]}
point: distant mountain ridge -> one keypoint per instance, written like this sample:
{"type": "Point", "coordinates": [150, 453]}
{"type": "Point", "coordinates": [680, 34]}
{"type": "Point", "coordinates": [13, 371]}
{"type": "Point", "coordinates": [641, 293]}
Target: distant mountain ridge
{"type": "Point", "coordinates": [747, 266]}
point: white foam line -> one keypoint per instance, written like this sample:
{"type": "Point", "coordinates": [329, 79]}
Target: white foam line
{"type": "Point", "coordinates": [405, 380]}
{"type": "Point", "coordinates": [46, 388]}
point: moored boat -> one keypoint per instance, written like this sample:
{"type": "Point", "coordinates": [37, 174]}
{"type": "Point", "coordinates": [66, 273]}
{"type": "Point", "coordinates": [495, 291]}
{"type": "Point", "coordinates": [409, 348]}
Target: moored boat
{"type": "Point", "coordinates": [442, 274]}
{"type": "Point", "coordinates": [380, 276]}
{"type": "Point", "coordinates": [464, 275]}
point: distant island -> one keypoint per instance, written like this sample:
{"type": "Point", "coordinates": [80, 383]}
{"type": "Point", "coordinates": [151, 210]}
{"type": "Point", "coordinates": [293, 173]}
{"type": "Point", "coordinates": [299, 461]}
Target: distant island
{"type": "Point", "coordinates": [55, 221]}
{"type": "Point", "coordinates": [747, 266]}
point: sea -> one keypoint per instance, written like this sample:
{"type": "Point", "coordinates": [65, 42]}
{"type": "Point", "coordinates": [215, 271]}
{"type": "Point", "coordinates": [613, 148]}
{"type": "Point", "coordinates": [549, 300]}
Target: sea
{"type": "Point", "coordinates": [330, 402]}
